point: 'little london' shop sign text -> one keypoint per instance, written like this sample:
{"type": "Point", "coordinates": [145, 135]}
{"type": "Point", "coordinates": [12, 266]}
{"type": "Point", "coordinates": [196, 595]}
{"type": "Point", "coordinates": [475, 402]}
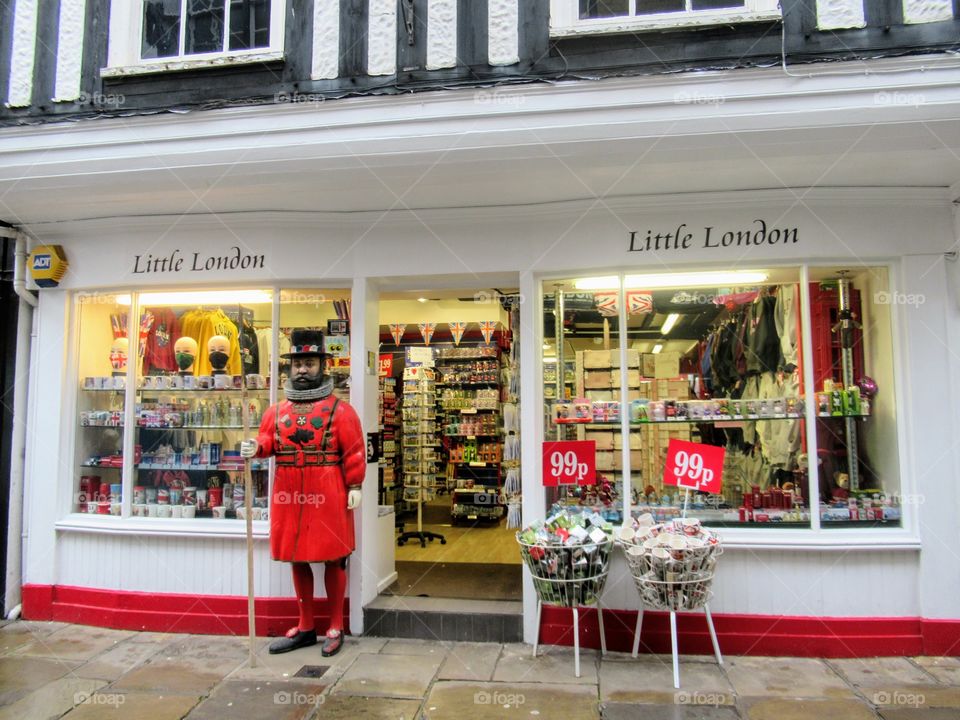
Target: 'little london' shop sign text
{"type": "Point", "coordinates": [755, 235]}
{"type": "Point", "coordinates": [177, 262]}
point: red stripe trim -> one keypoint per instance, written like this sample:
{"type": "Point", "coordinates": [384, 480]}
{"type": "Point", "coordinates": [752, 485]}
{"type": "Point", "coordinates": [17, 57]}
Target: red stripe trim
{"type": "Point", "coordinates": [166, 612]}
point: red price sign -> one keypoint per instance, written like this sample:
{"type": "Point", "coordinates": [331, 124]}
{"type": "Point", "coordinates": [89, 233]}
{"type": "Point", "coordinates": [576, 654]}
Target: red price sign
{"type": "Point", "coordinates": [571, 462]}
{"type": "Point", "coordinates": [386, 365]}
{"type": "Point", "coordinates": [694, 466]}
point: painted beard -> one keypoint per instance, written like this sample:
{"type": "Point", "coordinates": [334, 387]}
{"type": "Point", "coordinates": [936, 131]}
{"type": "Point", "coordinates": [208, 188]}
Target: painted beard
{"type": "Point", "coordinates": [306, 382]}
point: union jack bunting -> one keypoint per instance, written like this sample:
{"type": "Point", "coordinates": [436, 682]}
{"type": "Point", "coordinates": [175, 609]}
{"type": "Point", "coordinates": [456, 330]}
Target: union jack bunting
{"type": "Point", "coordinates": [639, 302]}
{"type": "Point", "coordinates": [397, 330]}
{"type": "Point", "coordinates": [488, 327]}
{"type": "Point", "coordinates": [457, 329]}
{"type": "Point", "coordinates": [426, 330]}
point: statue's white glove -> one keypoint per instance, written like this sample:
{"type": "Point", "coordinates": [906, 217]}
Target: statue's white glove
{"type": "Point", "coordinates": [353, 499]}
{"type": "Point", "coordinates": [248, 448]}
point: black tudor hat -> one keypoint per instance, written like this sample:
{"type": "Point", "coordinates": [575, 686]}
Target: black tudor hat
{"type": "Point", "coordinates": [304, 341]}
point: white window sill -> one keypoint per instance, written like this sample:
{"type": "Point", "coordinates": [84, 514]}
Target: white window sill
{"type": "Point", "coordinates": [191, 64]}
{"type": "Point", "coordinates": [170, 527]}
{"type": "Point", "coordinates": [826, 540]}
{"type": "Point", "coordinates": [666, 21]}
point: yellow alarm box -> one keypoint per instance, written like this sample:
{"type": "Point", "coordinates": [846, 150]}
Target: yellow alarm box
{"type": "Point", "coordinates": [48, 265]}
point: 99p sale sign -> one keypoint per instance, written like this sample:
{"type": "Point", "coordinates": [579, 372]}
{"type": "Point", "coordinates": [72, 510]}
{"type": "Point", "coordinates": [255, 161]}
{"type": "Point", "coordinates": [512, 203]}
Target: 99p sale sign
{"type": "Point", "coordinates": [694, 466]}
{"type": "Point", "coordinates": [569, 462]}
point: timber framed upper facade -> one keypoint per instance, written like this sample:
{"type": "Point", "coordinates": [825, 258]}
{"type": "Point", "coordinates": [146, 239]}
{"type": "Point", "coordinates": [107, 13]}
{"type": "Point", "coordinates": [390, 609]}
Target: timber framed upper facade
{"type": "Point", "coordinates": [64, 59]}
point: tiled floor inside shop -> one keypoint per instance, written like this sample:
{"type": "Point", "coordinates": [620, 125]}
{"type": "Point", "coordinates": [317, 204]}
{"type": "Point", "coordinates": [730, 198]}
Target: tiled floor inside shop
{"type": "Point", "coordinates": [49, 670]}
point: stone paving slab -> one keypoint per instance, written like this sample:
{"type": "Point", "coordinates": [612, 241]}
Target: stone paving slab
{"type": "Point", "coordinates": [133, 706]}
{"type": "Point", "coordinates": [470, 661]}
{"type": "Point", "coordinates": [349, 707]}
{"type": "Point", "coordinates": [191, 666]}
{"type": "Point", "coordinates": [252, 700]}
{"type": "Point", "coordinates": [75, 642]}
{"type": "Point", "coordinates": [552, 664]}
{"type": "Point", "coordinates": [118, 660]}
{"type": "Point", "coordinates": [627, 711]}
{"type": "Point", "coordinates": [286, 665]}
{"type": "Point", "coordinates": [916, 696]}
{"type": "Point", "coordinates": [52, 700]}
{"type": "Point", "coordinates": [792, 709]}
{"type": "Point", "coordinates": [403, 646]}
{"type": "Point", "coordinates": [785, 677]}
{"type": "Point", "coordinates": [398, 676]}
{"type": "Point", "coordinates": [16, 635]}
{"type": "Point", "coordinates": [917, 714]}
{"type": "Point", "coordinates": [943, 669]}
{"type": "Point", "coordinates": [20, 676]}
{"type": "Point", "coordinates": [651, 681]}
{"type": "Point", "coordinates": [879, 672]}
{"type": "Point", "coordinates": [456, 700]}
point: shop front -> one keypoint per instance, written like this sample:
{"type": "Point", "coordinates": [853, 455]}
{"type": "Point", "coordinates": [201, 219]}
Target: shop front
{"type": "Point", "coordinates": [810, 340]}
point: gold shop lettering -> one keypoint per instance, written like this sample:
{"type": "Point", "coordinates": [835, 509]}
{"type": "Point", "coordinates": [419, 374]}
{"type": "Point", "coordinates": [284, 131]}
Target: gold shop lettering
{"type": "Point", "coordinates": [175, 262]}
{"type": "Point", "coordinates": [754, 235]}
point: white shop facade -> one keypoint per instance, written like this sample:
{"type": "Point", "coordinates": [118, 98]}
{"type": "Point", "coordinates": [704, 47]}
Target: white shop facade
{"type": "Point", "coordinates": [797, 580]}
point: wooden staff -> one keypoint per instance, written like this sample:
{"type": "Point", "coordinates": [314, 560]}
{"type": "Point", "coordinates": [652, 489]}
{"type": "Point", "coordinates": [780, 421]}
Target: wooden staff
{"type": "Point", "coordinates": [248, 504]}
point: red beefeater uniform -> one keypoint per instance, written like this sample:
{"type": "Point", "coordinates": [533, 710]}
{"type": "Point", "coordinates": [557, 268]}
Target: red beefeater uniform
{"type": "Point", "coordinates": [320, 453]}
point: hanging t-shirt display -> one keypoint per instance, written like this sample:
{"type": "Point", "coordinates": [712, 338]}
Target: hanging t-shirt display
{"type": "Point", "coordinates": [159, 355]}
{"type": "Point", "coordinates": [202, 325]}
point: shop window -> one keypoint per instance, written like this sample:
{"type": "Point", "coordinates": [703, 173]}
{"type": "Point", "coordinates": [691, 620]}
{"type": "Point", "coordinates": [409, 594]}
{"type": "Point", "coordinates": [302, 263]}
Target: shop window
{"type": "Point", "coordinates": [327, 311]}
{"type": "Point", "coordinates": [711, 358]}
{"type": "Point", "coordinates": [857, 447]}
{"type": "Point", "coordinates": [575, 17]}
{"type": "Point", "coordinates": [199, 369]}
{"type": "Point", "coordinates": [102, 365]}
{"type": "Point", "coordinates": [157, 32]}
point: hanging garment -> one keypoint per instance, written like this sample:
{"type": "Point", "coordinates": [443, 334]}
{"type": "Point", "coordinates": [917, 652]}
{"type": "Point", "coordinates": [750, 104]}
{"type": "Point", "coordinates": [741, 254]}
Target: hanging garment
{"type": "Point", "coordinates": [264, 354]}
{"type": "Point", "coordinates": [202, 325]}
{"type": "Point", "coordinates": [159, 355]}
{"type": "Point", "coordinates": [785, 317]}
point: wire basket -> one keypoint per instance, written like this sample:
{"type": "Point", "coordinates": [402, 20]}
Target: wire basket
{"type": "Point", "coordinates": [673, 578]}
{"type": "Point", "coordinates": [567, 576]}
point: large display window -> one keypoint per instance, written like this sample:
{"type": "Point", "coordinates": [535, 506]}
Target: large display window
{"type": "Point", "coordinates": [170, 382]}
{"type": "Point", "coordinates": [719, 358]}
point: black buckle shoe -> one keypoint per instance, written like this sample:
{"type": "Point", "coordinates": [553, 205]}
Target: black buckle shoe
{"type": "Point", "coordinates": [332, 643]}
{"type": "Point", "coordinates": [304, 638]}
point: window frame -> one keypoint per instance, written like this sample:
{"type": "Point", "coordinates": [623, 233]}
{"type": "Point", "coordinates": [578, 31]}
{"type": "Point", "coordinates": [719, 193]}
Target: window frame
{"type": "Point", "coordinates": [126, 36]}
{"type": "Point", "coordinates": [758, 536]}
{"type": "Point", "coordinates": [565, 18]}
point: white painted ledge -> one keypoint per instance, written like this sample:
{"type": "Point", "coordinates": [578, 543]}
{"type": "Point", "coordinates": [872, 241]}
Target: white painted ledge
{"type": "Point", "coordinates": [669, 21]}
{"type": "Point", "coordinates": [160, 67]}
{"type": "Point", "coordinates": [203, 528]}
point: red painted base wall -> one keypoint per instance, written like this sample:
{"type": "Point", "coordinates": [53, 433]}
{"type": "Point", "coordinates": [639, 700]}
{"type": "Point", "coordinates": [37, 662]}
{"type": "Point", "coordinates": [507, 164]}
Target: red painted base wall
{"type": "Point", "coordinates": [201, 614]}
{"type": "Point", "coordinates": [737, 634]}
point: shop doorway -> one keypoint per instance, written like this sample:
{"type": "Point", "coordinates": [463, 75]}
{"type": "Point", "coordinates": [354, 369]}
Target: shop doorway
{"type": "Point", "coordinates": [449, 423]}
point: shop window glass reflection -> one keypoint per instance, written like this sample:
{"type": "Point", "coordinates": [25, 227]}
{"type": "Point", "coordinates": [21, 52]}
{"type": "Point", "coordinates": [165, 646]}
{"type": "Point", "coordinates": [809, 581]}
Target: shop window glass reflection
{"type": "Point", "coordinates": [318, 309]}
{"type": "Point", "coordinates": [716, 363]}
{"type": "Point", "coordinates": [199, 368]}
{"type": "Point", "coordinates": [857, 455]}
{"type": "Point", "coordinates": [102, 355]}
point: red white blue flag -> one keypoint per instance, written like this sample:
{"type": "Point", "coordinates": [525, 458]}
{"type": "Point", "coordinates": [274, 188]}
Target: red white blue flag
{"type": "Point", "coordinates": [488, 328]}
{"type": "Point", "coordinates": [397, 330]}
{"type": "Point", "coordinates": [457, 329]}
{"type": "Point", "coordinates": [427, 330]}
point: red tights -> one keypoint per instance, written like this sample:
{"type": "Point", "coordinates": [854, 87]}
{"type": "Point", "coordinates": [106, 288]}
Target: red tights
{"type": "Point", "coordinates": [335, 583]}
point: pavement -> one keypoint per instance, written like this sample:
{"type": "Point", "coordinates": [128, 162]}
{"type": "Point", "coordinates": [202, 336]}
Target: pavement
{"type": "Point", "coordinates": [54, 670]}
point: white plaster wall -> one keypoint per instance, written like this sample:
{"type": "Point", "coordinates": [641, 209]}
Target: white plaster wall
{"type": "Point", "coordinates": [382, 38]}
{"type": "Point", "coordinates": [840, 14]}
{"type": "Point", "coordinates": [23, 53]}
{"type": "Point", "coordinates": [441, 34]}
{"type": "Point", "coordinates": [70, 50]}
{"type": "Point", "coordinates": [503, 29]}
{"type": "Point", "coordinates": [925, 11]}
{"type": "Point", "coordinates": [326, 40]}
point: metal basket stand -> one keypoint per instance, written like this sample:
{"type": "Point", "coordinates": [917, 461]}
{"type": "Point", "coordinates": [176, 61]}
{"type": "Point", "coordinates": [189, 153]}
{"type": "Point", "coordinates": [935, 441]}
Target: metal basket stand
{"type": "Point", "coordinates": [681, 595]}
{"type": "Point", "coordinates": [572, 592]}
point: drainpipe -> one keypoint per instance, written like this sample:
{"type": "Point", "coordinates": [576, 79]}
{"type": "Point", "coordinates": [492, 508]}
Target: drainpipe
{"type": "Point", "coordinates": [28, 302]}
